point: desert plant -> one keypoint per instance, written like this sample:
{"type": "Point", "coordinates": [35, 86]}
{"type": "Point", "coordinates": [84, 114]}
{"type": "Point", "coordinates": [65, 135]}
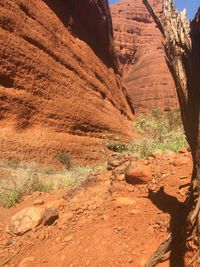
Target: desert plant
{"type": "Point", "coordinates": [10, 197]}
{"type": "Point", "coordinates": [174, 119]}
{"type": "Point", "coordinates": [24, 180]}
{"type": "Point", "coordinates": [158, 131]}
{"type": "Point", "coordinates": [13, 163]}
{"type": "Point", "coordinates": [156, 113]}
{"type": "Point", "coordinates": [64, 159]}
{"type": "Point", "coordinates": [117, 146]}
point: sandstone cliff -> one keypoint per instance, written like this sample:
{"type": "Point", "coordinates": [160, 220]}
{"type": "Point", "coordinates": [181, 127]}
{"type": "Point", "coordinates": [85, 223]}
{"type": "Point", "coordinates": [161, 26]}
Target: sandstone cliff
{"type": "Point", "coordinates": [91, 22]}
{"type": "Point", "coordinates": [139, 49]}
{"type": "Point", "coordinates": [57, 80]}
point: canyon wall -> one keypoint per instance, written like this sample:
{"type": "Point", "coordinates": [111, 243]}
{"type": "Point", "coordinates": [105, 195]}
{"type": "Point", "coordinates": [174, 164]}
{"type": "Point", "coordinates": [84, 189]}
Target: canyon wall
{"type": "Point", "coordinates": [59, 84]}
{"type": "Point", "coordinates": [140, 52]}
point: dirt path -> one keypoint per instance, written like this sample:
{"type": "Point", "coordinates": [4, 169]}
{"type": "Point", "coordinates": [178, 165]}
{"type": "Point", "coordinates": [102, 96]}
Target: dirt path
{"type": "Point", "coordinates": [105, 223]}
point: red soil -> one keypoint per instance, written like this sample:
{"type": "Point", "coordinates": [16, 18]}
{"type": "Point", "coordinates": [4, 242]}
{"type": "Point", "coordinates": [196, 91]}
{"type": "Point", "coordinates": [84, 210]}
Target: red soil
{"type": "Point", "coordinates": [105, 223]}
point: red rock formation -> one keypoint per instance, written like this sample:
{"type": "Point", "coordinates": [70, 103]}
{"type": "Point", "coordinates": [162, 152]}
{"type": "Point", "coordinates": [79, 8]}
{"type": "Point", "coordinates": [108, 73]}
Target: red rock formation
{"type": "Point", "coordinates": [139, 49]}
{"type": "Point", "coordinates": [55, 88]}
{"type": "Point", "coordinates": [91, 22]}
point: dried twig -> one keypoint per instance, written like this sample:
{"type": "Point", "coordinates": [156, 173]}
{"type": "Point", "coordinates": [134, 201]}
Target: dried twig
{"type": "Point", "coordinates": [9, 259]}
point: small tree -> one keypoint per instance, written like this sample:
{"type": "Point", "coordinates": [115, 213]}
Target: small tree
{"type": "Point", "coordinates": [182, 49]}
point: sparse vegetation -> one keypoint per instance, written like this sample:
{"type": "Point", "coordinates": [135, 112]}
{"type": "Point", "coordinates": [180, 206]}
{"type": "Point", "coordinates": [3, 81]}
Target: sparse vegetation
{"type": "Point", "coordinates": [159, 130]}
{"type": "Point", "coordinates": [64, 159]}
{"type": "Point", "coordinates": [23, 180]}
{"type": "Point", "coordinates": [13, 163]}
{"type": "Point", "coordinates": [117, 146]}
{"type": "Point", "coordinates": [10, 197]}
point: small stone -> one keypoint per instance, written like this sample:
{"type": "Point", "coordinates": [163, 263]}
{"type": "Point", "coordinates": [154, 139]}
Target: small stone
{"type": "Point", "coordinates": [142, 263]}
{"type": "Point", "coordinates": [41, 236]}
{"type": "Point", "coordinates": [181, 161]}
{"type": "Point", "coordinates": [68, 239]}
{"type": "Point", "coordinates": [146, 162]}
{"type": "Point", "coordinates": [125, 201]}
{"type": "Point", "coordinates": [183, 150]}
{"type": "Point", "coordinates": [119, 228]}
{"type": "Point", "coordinates": [38, 202]}
{"type": "Point", "coordinates": [121, 177]}
{"type": "Point", "coordinates": [26, 262]}
{"type": "Point", "coordinates": [130, 260]}
{"type": "Point", "coordinates": [134, 211]}
{"type": "Point", "coordinates": [157, 154]}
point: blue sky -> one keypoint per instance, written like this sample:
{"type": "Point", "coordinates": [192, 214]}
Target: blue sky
{"type": "Point", "coordinates": [190, 5]}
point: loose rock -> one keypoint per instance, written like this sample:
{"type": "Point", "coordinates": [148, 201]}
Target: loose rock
{"type": "Point", "coordinates": [138, 174]}
{"type": "Point", "coordinates": [157, 154]}
{"type": "Point", "coordinates": [183, 150]}
{"type": "Point", "coordinates": [25, 220]}
{"type": "Point", "coordinates": [181, 161]}
{"type": "Point", "coordinates": [38, 202]}
{"type": "Point", "coordinates": [125, 201]}
{"type": "Point", "coordinates": [50, 215]}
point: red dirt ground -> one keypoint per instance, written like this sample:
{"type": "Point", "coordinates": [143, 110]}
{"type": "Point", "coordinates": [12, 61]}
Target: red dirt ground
{"type": "Point", "coordinates": [105, 223]}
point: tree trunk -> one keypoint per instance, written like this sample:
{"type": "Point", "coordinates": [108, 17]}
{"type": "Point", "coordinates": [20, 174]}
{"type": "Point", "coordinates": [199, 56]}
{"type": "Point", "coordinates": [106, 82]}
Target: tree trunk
{"type": "Point", "coordinates": [182, 49]}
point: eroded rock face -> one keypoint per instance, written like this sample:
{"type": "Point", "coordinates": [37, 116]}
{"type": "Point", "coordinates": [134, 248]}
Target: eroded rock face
{"type": "Point", "coordinates": [91, 22]}
{"type": "Point", "coordinates": [57, 80]}
{"type": "Point", "coordinates": [139, 49]}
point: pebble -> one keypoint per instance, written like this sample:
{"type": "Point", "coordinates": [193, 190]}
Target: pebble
{"type": "Point", "coordinates": [38, 202]}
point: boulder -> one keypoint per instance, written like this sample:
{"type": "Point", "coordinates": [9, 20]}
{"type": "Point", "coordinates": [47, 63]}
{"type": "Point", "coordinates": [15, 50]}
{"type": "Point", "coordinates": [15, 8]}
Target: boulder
{"type": "Point", "coordinates": [29, 218]}
{"type": "Point", "coordinates": [50, 215]}
{"type": "Point", "coordinates": [138, 174]}
{"type": "Point", "coordinates": [25, 220]}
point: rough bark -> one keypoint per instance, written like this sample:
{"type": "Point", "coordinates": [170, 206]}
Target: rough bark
{"type": "Point", "coordinates": [182, 50]}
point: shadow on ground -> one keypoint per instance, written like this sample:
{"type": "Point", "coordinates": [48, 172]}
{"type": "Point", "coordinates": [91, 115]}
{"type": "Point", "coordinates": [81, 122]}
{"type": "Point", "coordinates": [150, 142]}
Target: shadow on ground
{"type": "Point", "coordinates": [178, 213]}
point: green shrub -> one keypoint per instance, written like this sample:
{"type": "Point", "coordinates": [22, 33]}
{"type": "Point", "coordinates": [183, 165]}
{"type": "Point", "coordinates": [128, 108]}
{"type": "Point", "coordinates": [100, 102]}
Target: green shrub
{"type": "Point", "coordinates": [117, 146]}
{"type": "Point", "coordinates": [142, 148]}
{"type": "Point", "coordinates": [159, 130]}
{"type": "Point", "coordinates": [156, 113]}
{"type": "Point", "coordinates": [174, 119]}
{"type": "Point", "coordinates": [10, 197]}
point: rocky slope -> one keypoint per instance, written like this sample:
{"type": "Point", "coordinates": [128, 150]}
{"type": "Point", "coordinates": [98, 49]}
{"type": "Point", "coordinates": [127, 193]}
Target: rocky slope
{"type": "Point", "coordinates": [57, 80]}
{"type": "Point", "coordinates": [139, 49]}
{"type": "Point", "coordinates": [103, 222]}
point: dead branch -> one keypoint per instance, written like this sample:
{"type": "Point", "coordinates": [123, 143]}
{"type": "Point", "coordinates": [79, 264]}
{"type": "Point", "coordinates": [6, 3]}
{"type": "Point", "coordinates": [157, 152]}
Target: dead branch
{"type": "Point", "coordinates": [179, 51]}
{"type": "Point", "coordinates": [10, 258]}
{"type": "Point", "coordinates": [159, 254]}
